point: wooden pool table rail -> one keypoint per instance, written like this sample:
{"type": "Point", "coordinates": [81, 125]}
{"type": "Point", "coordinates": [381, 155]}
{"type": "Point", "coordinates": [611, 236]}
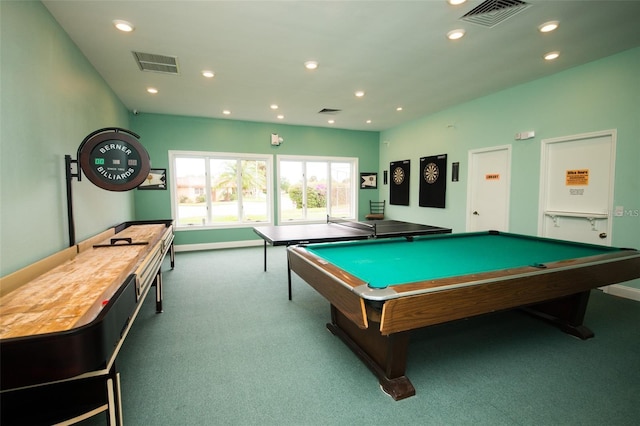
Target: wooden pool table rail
{"type": "Point", "coordinates": [419, 304]}
{"type": "Point", "coordinates": [518, 290]}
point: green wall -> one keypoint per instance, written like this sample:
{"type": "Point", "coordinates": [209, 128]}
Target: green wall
{"type": "Point", "coordinates": [161, 133]}
{"type": "Point", "coordinates": [52, 98]}
{"type": "Point", "coordinates": [601, 95]}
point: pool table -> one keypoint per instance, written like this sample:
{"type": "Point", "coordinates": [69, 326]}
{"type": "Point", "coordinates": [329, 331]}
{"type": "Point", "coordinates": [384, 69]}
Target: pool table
{"type": "Point", "coordinates": [380, 290]}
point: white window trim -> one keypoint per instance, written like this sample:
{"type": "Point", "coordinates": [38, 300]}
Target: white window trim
{"type": "Point", "coordinates": [229, 155]}
{"type": "Point", "coordinates": [355, 181]}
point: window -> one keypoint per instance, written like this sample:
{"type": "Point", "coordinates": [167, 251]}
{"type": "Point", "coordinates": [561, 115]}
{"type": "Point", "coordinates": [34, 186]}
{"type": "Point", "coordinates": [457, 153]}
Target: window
{"type": "Point", "coordinates": [211, 189]}
{"type": "Point", "coordinates": [310, 188]}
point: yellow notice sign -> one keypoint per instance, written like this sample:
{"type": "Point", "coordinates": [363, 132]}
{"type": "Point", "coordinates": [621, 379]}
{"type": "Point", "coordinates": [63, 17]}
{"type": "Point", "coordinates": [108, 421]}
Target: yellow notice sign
{"type": "Point", "coordinates": [492, 176]}
{"type": "Point", "coordinates": [577, 177]}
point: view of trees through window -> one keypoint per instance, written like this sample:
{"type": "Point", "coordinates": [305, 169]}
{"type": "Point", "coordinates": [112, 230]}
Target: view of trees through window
{"type": "Point", "coordinates": [223, 189]}
{"type": "Point", "coordinates": [218, 190]}
{"type": "Point", "coordinates": [311, 189]}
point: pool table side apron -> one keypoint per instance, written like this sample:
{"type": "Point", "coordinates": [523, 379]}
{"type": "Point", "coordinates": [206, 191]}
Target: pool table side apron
{"type": "Point", "coordinates": [422, 310]}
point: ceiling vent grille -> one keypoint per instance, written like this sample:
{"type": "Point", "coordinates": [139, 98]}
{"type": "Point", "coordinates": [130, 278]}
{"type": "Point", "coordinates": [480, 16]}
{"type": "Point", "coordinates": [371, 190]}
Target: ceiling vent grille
{"type": "Point", "coordinates": [156, 63]}
{"type": "Point", "coordinates": [330, 111]}
{"type": "Point", "coordinates": [491, 12]}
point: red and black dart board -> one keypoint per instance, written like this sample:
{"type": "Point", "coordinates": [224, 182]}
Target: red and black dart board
{"type": "Point", "coordinates": [114, 160]}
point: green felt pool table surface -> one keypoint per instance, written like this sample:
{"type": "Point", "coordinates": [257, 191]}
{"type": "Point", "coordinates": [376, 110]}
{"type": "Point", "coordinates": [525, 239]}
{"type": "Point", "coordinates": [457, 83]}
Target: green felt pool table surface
{"type": "Point", "coordinates": [398, 261]}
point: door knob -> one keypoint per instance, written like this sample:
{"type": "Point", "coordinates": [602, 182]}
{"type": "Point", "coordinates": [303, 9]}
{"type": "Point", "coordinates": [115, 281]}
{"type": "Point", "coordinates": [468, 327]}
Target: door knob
{"type": "Point", "coordinates": [476, 213]}
{"type": "Point", "coordinates": [603, 235]}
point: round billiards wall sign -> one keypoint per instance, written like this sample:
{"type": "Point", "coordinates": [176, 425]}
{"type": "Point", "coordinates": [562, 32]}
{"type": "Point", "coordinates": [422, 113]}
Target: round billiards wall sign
{"type": "Point", "coordinates": [114, 161]}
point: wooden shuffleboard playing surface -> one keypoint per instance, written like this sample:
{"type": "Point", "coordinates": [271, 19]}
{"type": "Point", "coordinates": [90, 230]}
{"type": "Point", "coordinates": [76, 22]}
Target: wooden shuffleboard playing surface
{"type": "Point", "coordinates": [74, 293]}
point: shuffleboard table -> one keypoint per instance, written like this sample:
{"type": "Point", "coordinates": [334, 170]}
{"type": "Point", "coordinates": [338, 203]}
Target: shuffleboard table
{"type": "Point", "coordinates": [380, 290]}
{"type": "Point", "coordinates": [64, 319]}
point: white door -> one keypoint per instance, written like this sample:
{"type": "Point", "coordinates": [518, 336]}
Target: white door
{"type": "Point", "coordinates": [488, 189]}
{"type": "Point", "coordinates": [576, 187]}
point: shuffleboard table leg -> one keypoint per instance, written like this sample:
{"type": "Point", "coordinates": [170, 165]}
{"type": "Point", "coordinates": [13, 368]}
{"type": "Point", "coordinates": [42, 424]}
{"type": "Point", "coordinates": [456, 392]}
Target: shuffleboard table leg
{"type": "Point", "coordinates": [159, 292]}
{"type": "Point", "coordinates": [114, 398]}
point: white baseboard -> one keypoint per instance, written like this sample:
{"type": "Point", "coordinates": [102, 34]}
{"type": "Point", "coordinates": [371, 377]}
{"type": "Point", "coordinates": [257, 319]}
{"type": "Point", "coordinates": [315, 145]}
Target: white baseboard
{"type": "Point", "coordinates": [623, 291]}
{"type": "Point", "coordinates": [214, 246]}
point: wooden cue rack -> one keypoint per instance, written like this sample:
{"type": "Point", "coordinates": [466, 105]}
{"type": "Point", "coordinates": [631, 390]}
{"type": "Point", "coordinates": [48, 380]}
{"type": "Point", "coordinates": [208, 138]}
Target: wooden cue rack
{"type": "Point", "coordinates": [64, 319]}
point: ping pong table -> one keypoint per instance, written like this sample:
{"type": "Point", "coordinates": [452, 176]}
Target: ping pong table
{"type": "Point", "coordinates": [340, 230]}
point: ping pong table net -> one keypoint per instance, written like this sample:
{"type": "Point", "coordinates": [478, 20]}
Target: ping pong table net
{"type": "Point", "coordinates": [369, 227]}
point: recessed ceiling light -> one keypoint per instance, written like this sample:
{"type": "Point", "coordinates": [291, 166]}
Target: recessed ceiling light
{"type": "Point", "coordinates": [123, 26]}
{"type": "Point", "coordinates": [359, 93]}
{"type": "Point", "coordinates": [311, 65]}
{"type": "Point", "coordinates": [455, 34]}
{"type": "Point", "coordinates": [226, 112]}
{"type": "Point", "coordinates": [368, 121]}
{"type": "Point", "coordinates": [551, 56]}
{"type": "Point", "coordinates": [152, 90]}
{"type": "Point", "coordinates": [399, 109]}
{"type": "Point", "coordinates": [455, 2]}
{"type": "Point", "coordinates": [273, 106]}
{"type": "Point", "coordinates": [208, 74]}
{"type": "Point", "coordinates": [280, 116]}
{"type": "Point", "coordinates": [548, 26]}
{"type": "Point", "coordinates": [331, 121]}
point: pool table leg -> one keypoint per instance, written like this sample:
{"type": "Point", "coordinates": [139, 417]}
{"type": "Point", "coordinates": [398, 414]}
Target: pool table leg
{"type": "Point", "coordinates": [566, 313]}
{"type": "Point", "coordinates": [386, 356]}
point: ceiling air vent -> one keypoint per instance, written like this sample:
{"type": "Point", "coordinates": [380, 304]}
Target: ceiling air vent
{"type": "Point", "coordinates": [491, 12]}
{"type": "Point", "coordinates": [330, 111]}
{"type": "Point", "coordinates": [156, 63]}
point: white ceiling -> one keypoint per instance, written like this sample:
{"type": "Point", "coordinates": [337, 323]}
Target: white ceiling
{"type": "Point", "coordinates": [395, 51]}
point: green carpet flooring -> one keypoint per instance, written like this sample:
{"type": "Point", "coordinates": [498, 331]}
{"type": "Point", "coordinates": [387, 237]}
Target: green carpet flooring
{"type": "Point", "coordinates": [230, 349]}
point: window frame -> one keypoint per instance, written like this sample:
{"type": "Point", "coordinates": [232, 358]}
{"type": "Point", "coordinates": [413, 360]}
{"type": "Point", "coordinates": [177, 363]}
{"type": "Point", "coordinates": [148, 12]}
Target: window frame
{"type": "Point", "coordinates": [353, 161]}
{"type": "Point", "coordinates": [207, 156]}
